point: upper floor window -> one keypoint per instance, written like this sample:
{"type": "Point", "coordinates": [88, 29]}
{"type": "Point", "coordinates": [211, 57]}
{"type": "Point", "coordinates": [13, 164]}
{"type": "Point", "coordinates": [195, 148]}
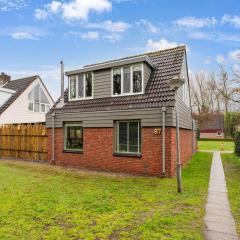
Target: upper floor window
{"type": "Point", "coordinates": [38, 101]}
{"type": "Point", "coordinates": [81, 86]}
{"type": "Point", "coordinates": [127, 80]}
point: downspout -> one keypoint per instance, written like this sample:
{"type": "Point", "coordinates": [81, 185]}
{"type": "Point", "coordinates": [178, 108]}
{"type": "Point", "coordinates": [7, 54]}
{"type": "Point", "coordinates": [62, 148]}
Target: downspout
{"type": "Point", "coordinates": [163, 140]}
{"type": "Point", "coordinates": [53, 138]}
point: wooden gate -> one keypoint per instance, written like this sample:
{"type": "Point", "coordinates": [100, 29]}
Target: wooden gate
{"type": "Point", "coordinates": [23, 142]}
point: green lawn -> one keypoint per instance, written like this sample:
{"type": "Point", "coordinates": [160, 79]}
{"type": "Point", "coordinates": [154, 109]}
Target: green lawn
{"type": "Point", "coordinates": [216, 145]}
{"type": "Point", "coordinates": [46, 202]}
{"type": "Point", "coordinates": [231, 164]}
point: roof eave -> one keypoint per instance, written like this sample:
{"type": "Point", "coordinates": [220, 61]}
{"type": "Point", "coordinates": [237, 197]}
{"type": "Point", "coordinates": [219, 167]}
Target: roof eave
{"type": "Point", "coordinates": [112, 64]}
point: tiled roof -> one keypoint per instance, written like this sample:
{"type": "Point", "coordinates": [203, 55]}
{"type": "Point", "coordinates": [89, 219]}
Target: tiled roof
{"type": "Point", "coordinates": [214, 122]}
{"type": "Point", "coordinates": [168, 63]}
{"type": "Point", "coordinates": [19, 86]}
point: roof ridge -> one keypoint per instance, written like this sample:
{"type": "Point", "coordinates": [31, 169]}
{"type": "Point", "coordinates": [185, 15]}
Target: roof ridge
{"type": "Point", "coordinates": [33, 76]}
{"type": "Point", "coordinates": [183, 47]}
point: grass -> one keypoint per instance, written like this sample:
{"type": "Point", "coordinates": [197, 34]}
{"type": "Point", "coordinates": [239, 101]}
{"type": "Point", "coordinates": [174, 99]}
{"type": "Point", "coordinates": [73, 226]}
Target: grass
{"type": "Point", "coordinates": [231, 164]}
{"type": "Point", "coordinates": [216, 145]}
{"type": "Point", "coordinates": [46, 202]}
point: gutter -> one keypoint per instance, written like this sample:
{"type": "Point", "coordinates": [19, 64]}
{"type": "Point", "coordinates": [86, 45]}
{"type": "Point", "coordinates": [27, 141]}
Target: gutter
{"type": "Point", "coordinates": [163, 140]}
{"type": "Point", "coordinates": [53, 138]}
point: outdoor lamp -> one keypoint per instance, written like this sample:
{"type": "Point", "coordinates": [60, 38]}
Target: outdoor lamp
{"type": "Point", "coordinates": [175, 83]}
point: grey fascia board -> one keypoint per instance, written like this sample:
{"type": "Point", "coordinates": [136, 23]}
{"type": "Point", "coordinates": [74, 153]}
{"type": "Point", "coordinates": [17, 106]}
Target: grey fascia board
{"type": "Point", "coordinates": [111, 64]}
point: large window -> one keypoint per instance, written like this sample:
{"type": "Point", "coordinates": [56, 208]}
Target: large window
{"type": "Point", "coordinates": [127, 80]}
{"type": "Point", "coordinates": [73, 137]}
{"type": "Point", "coordinates": [37, 100]}
{"type": "Point", "coordinates": [81, 86]}
{"type": "Point", "coordinates": [128, 137]}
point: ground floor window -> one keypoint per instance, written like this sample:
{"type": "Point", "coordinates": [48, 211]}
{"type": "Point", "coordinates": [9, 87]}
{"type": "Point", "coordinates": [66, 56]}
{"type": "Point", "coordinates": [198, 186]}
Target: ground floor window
{"type": "Point", "coordinates": [73, 136]}
{"type": "Point", "coordinates": [128, 137]}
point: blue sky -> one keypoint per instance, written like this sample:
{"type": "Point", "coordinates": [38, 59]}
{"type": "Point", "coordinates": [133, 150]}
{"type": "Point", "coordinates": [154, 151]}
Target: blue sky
{"type": "Point", "coordinates": [36, 35]}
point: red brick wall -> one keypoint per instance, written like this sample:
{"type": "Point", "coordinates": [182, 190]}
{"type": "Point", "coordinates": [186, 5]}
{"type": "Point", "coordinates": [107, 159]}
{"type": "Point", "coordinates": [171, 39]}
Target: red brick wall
{"type": "Point", "coordinates": [98, 151]}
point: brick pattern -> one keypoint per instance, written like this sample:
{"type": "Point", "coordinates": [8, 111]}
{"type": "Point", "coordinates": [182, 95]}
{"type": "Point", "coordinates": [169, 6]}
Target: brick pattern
{"type": "Point", "coordinates": [99, 147]}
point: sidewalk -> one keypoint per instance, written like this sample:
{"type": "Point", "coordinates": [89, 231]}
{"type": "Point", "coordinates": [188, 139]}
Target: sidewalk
{"type": "Point", "coordinates": [219, 222]}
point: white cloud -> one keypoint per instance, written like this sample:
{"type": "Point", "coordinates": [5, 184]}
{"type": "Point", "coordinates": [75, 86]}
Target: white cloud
{"type": "Point", "coordinates": [236, 69]}
{"type": "Point", "coordinates": [193, 22]}
{"type": "Point", "coordinates": [207, 61]}
{"type": "Point", "coordinates": [160, 45]}
{"type": "Point", "coordinates": [109, 26]}
{"type": "Point", "coordinates": [77, 10]}
{"type": "Point", "coordinates": [220, 59]}
{"type": "Point", "coordinates": [233, 20]}
{"type": "Point", "coordinates": [94, 35]}
{"type": "Point", "coordinates": [23, 35]}
{"type": "Point", "coordinates": [214, 36]}
{"type": "Point", "coordinates": [234, 55]}
{"type": "Point", "coordinates": [54, 6]}
{"type": "Point", "coordinates": [147, 26]}
{"type": "Point", "coordinates": [113, 37]}
{"type": "Point", "coordinates": [8, 5]}
{"type": "Point", "coordinates": [40, 14]}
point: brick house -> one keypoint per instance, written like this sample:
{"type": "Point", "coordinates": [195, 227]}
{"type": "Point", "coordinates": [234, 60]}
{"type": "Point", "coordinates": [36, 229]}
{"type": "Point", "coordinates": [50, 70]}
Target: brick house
{"type": "Point", "coordinates": [116, 116]}
{"type": "Point", "coordinates": [213, 127]}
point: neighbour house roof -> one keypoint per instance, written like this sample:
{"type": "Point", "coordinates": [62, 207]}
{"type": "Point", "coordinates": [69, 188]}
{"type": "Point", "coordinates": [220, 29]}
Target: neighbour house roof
{"type": "Point", "coordinates": [167, 64]}
{"type": "Point", "coordinates": [19, 86]}
{"type": "Point", "coordinates": [215, 122]}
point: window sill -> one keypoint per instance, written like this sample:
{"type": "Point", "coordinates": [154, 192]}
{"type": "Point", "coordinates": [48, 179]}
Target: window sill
{"type": "Point", "coordinates": [73, 151]}
{"type": "Point", "coordinates": [134, 155]}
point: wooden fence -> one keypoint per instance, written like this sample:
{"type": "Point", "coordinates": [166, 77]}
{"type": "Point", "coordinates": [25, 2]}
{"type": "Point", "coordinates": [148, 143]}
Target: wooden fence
{"type": "Point", "coordinates": [23, 141]}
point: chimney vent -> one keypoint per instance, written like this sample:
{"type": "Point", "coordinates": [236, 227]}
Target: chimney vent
{"type": "Point", "coordinates": [4, 78]}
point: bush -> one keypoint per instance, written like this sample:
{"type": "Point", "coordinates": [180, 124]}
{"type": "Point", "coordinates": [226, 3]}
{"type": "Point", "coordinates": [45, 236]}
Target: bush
{"type": "Point", "coordinates": [237, 143]}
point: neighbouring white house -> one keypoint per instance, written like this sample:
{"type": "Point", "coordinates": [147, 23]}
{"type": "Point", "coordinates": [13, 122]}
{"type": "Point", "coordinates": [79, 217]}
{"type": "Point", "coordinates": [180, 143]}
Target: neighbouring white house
{"type": "Point", "coordinates": [24, 100]}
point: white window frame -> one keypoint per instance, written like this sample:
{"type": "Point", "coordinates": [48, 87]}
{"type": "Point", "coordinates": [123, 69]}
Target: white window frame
{"type": "Point", "coordinates": [40, 103]}
{"type": "Point", "coordinates": [116, 146]}
{"type": "Point", "coordinates": [131, 80]}
{"type": "Point", "coordinates": [84, 90]}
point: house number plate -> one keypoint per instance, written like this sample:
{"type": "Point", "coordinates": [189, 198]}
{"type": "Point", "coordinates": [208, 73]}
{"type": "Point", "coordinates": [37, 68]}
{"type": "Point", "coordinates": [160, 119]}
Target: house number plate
{"type": "Point", "coordinates": [157, 131]}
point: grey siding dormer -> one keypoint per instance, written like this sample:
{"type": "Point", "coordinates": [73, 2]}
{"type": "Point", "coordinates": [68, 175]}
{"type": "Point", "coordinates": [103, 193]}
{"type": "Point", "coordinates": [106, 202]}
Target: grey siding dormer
{"type": "Point", "coordinates": [102, 83]}
{"type": "Point", "coordinates": [147, 73]}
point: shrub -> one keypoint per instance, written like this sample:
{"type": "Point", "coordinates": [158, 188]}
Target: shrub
{"type": "Point", "coordinates": [237, 143]}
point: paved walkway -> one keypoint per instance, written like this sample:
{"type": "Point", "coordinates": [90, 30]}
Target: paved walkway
{"type": "Point", "coordinates": [219, 222]}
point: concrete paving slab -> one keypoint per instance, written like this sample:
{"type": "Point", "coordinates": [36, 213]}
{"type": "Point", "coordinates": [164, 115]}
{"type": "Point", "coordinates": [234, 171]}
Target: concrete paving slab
{"type": "Point", "coordinates": [219, 222]}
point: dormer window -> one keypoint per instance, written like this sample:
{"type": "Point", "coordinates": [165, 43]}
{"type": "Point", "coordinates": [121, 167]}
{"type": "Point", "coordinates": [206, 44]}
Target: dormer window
{"type": "Point", "coordinates": [81, 86]}
{"type": "Point", "coordinates": [127, 80]}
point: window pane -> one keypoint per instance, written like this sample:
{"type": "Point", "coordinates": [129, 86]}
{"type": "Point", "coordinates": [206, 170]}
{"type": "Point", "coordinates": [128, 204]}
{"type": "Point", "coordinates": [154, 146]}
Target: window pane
{"type": "Point", "coordinates": [133, 137]}
{"type": "Point", "coordinates": [31, 95]}
{"type": "Point", "coordinates": [80, 86]}
{"type": "Point", "coordinates": [72, 87]}
{"type": "Point", "coordinates": [122, 137]}
{"type": "Point", "coordinates": [137, 78]}
{"type": "Point", "coordinates": [30, 106]}
{"type": "Point", "coordinates": [36, 107]}
{"type": "Point", "coordinates": [47, 108]}
{"type": "Point", "coordinates": [43, 97]}
{"type": "Point", "coordinates": [74, 138]}
{"type": "Point", "coordinates": [43, 108]}
{"type": "Point", "coordinates": [116, 81]}
{"type": "Point", "coordinates": [126, 79]}
{"type": "Point", "coordinates": [36, 93]}
{"type": "Point", "coordinates": [88, 84]}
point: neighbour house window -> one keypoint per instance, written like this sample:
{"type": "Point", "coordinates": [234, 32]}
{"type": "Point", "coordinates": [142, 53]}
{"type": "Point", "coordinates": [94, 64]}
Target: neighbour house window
{"type": "Point", "coordinates": [37, 100]}
{"type": "Point", "coordinates": [73, 137]}
{"type": "Point", "coordinates": [128, 137]}
{"type": "Point", "coordinates": [117, 76]}
{"type": "Point", "coordinates": [127, 80]}
{"type": "Point", "coordinates": [81, 86]}
{"type": "Point", "coordinates": [219, 133]}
